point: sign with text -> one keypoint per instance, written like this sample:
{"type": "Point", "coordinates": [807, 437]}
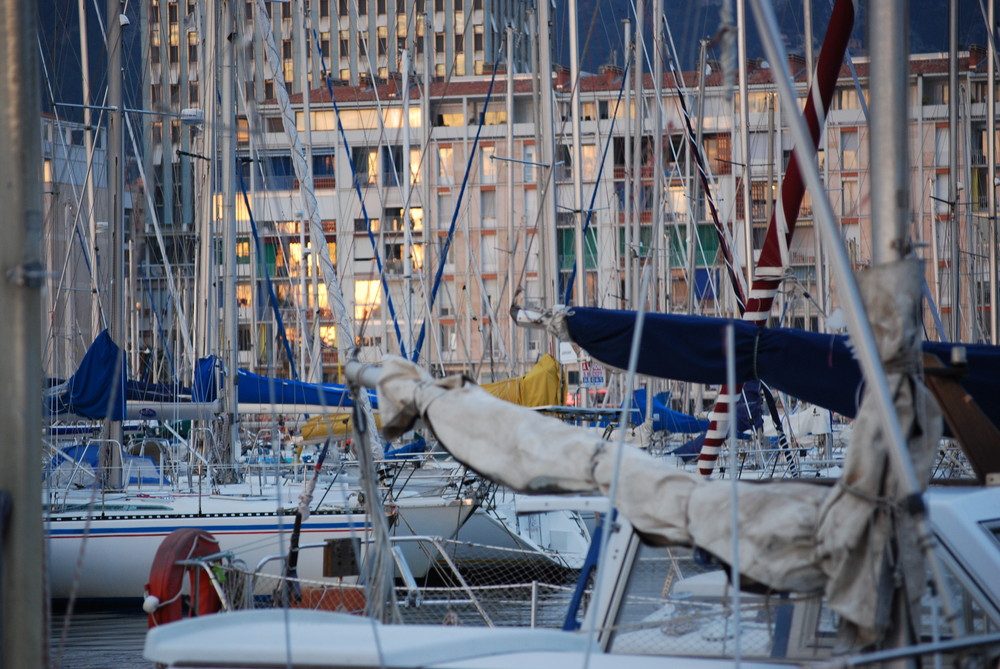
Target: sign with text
{"type": "Point", "coordinates": [591, 374]}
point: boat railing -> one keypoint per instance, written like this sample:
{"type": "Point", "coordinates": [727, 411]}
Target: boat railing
{"type": "Point", "coordinates": [485, 592]}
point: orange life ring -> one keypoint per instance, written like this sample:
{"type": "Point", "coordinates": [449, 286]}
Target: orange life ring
{"type": "Point", "coordinates": [164, 593]}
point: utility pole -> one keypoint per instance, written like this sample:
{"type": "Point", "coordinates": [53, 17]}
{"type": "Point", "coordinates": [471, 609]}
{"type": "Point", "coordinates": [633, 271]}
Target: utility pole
{"type": "Point", "coordinates": [23, 621]}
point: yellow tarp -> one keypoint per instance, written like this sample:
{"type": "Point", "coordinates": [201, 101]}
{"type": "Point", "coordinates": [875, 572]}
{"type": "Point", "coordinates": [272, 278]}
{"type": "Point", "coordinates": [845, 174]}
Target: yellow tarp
{"type": "Point", "coordinates": [330, 426]}
{"type": "Point", "coordinates": [539, 387]}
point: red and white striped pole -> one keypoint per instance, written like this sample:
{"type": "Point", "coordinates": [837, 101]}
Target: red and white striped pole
{"type": "Point", "coordinates": [771, 265]}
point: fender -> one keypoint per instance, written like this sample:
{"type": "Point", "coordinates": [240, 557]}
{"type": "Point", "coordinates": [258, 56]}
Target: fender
{"type": "Point", "coordinates": [164, 600]}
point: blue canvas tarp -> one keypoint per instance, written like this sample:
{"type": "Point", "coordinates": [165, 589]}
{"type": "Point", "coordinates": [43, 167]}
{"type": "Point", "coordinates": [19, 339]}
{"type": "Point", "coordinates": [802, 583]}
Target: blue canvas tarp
{"type": "Point", "coordinates": [90, 392]}
{"type": "Point", "coordinates": [665, 418]}
{"type": "Point", "coordinates": [255, 389]}
{"type": "Point", "coordinates": [818, 368]}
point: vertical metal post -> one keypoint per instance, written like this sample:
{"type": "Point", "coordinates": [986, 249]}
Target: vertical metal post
{"type": "Point", "coordinates": [629, 176]}
{"type": "Point", "coordinates": [548, 247]}
{"type": "Point", "coordinates": [230, 334]}
{"type": "Point", "coordinates": [956, 293]}
{"type": "Point", "coordinates": [116, 222]}
{"type": "Point", "coordinates": [991, 133]}
{"type": "Point", "coordinates": [889, 128]}
{"type": "Point", "coordinates": [741, 41]}
{"type": "Point", "coordinates": [24, 624]}
{"type": "Point", "coordinates": [574, 74]}
{"type": "Point", "coordinates": [637, 153]}
{"type": "Point", "coordinates": [660, 247]}
{"type": "Point", "coordinates": [511, 246]}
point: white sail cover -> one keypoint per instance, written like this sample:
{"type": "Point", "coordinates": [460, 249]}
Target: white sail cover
{"type": "Point", "coordinates": [793, 536]}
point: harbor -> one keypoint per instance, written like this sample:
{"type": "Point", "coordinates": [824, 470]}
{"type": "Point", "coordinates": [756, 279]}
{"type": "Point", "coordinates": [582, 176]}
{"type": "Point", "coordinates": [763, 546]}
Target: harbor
{"type": "Point", "coordinates": [476, 334]}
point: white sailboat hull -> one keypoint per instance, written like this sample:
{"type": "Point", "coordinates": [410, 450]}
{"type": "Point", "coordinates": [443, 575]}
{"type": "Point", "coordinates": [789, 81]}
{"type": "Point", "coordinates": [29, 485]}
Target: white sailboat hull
{"type": "Point", "coordinates": [108, 556]}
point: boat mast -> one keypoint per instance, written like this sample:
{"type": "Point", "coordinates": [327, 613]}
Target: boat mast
{"type": "Point", "coordinates": [547, 233]}
{"type": "Point", "coordinates": [511, 246]}
{"type": "Point", "coordinates": [956, 293]}
{"type": "Point", "coordinates": [637, 152]}
{"type": "Point", "coordinates": [741, 47]}
{"type": "Point", "coordinates": [116, 220]}
{"type": "Point", "coordinates": [991, 181]}
{"type": "Point", "coordinates": [25, 625]}
{"type": "Point", "coordinates": [661, 284]}
{"type": "Point", "coordinates": [627, 125]}
{"type": "Point", "coordinates": [228, 196]}
{"type": "Point", "coordinates": [407, 188]}
{"type": "Point", "coordinates": [88, 140]}
{"type": "Point", "coordinates": [574, 75]}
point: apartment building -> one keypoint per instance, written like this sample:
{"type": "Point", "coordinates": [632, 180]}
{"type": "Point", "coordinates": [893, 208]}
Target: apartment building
{"type": "Point", "coordinates": [438, 154]}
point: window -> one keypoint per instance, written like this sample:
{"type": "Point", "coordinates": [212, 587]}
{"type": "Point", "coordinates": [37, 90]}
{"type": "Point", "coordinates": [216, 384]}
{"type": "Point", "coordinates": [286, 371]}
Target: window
{"type": "Point", "coordinates": [345, 45]}
{"type": "Point", "coordinates": [529, 158]}
{"type": "Point", "coordinates": [849, 149]}
{"type": "Point", "coordinates": [446, 168]}
{"type": "Point", "coordinates": [363, 7]}
{"type": "Point", "coordinates": [487, 165]}
{"type": "Point", "coordinates": [849, 201]}
{"type": "Point", "coordinates": [449, 337]}
{"type": "Point", "coordinates": [459, 43]}
{"type": "Point", "coordinates": [367, 299]}
{"type": "Point", "coordinates": [488, 253]}
{"type": "Point", "coordinates": [392, 165]}
{"type": "Point", "coordinates": [488, 207]}
{"type": "Point", "coordinates": [942, 147]}
{"type": "Point", "coordinates": [365, 164]}
{"type": "Point", "coordinates": [588, 161]}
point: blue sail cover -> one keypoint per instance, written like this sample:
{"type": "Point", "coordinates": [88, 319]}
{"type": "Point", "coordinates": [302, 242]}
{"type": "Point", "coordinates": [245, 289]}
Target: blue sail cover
{"type": "Point", "coordinates": [818, 368]}
{"type": "Point", "coordinates": [255, 389]}
{"type": "Point", "coordinates": [665, 418]}
{"type": "Point", "coordinates": [90, 392]}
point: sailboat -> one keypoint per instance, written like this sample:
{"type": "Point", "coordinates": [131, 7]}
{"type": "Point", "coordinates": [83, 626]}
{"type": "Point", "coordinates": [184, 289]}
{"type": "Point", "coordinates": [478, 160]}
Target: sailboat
{"type": "Point", "coordinates": [103, 533]}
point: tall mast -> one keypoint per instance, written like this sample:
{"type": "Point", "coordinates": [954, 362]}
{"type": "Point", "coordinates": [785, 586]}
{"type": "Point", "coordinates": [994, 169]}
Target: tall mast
{"type": "Point", "coordinates": [640, 108]}
{"type": "Point", "coordinates": [548, 203]}
{"type": "Point", "coordinates": [88, 139]}
{"type": "Point", "coordinates": [574, 74]}
{"type": "Point", "coordinates": [116, 212]}
{"type": "Point", "coordinates": [660, 290]}
{"type": "Point", "coordinates": [991, 188]}
{"type": "Point", "coordinates": [627, 125]}
{"type": "Point", "coordinates": [956, 293]}
{"type": "Point", "coordinates": [511, 246]}
{"type": "Point", "coordinates": [230, 348]}
{"type": "Point", "coordinates": [741, 47]}
{"type": "Point", "coordinates": [407, 228]}
{"type": "Point", "coordinates": [25, 623]}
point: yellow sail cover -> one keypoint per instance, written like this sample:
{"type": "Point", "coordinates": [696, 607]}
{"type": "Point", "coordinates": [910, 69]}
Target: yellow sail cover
{"type": "Point", "coordinates": [539, 387]}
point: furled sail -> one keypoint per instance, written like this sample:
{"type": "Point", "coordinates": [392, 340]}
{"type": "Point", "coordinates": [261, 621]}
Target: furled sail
{"type": "Point", "coordinates": [811, 366]}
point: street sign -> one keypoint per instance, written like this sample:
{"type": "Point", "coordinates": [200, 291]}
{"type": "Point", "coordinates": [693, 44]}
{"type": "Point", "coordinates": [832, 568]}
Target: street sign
{"type": "Point", "coordinates": [591, 374]}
